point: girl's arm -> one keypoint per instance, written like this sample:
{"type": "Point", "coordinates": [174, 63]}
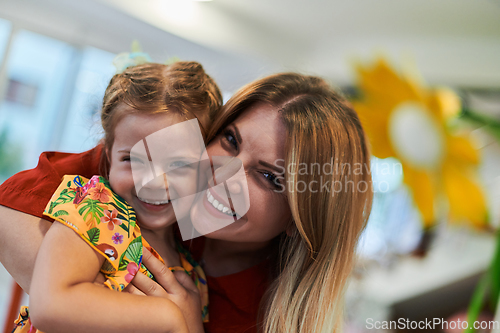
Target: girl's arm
{"type": "Point", "coordinates": [21, 236]}
{"type": "Point", "coordinates": [64, 298]}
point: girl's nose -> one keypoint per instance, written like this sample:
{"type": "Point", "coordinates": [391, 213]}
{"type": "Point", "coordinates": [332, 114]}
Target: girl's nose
{"type": "Point", "coordinates": [159, 182]}
{"type": "Point", "coordinates": [155, 188]}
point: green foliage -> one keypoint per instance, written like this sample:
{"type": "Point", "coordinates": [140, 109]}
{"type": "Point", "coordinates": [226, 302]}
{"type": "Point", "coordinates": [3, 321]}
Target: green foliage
{"type": "Point", "coordinates": [123, 265]}
{"type": "Point", "coordinates": [489, 282]}
{"type": "Point", "coordinates": [134, 250]}
{"type": "Point", "coordinates": [491, 125]}
{"type": "Point", "coordinates": [60, 212]}
{"type": "Point", "coordinates": [65, 197]}
{"type": "Point", "coordinates": [125, 213]}
{"type": "Point", "coordinates": [93, 208]}
{"type": "Point", "coordinates": [94, 234]}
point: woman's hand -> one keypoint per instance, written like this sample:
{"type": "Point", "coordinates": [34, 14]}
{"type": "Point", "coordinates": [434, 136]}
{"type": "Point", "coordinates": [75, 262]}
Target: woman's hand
{"type": "Point", "coordinates": [176, 286]}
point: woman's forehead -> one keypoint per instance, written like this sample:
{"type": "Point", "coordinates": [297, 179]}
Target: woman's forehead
{"type": "Point", "coordinates": [262, 128]}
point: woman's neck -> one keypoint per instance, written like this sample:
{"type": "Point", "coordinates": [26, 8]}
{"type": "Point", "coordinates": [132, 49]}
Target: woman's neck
{"type": "Point", "coordinates": [223, 257]}
{"type": "Point", "coordinates": [163, 242]}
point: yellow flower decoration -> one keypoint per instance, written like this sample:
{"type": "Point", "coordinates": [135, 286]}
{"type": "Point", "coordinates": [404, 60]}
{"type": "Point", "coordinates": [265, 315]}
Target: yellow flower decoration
{"type": "Point", "coordinates": [407, 121]}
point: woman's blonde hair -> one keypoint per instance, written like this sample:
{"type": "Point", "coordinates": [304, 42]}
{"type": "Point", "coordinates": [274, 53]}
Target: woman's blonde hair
{"type": "Point", "coordinates": [316, 260]}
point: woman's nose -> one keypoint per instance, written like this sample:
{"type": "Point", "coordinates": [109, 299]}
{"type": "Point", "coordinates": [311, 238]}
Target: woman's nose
{"type": "Point", "coordinates": [231, 171]}
{"type": "Point", "coordinates": [225, 168]}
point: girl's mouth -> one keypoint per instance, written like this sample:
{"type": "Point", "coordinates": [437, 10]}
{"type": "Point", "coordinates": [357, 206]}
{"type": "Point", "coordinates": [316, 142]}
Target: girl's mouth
{"type": "Point", "coordinates": [154, 202]}
{"type": "Point", "coordinates": [153, 205]}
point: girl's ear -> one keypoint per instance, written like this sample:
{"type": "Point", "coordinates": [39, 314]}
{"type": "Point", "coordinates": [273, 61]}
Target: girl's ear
{"type": "Point", "coordinates": [108, 155]}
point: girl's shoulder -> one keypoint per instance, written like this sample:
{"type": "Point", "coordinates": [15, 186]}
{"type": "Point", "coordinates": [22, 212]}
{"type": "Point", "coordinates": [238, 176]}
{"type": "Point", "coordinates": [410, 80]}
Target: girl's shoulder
{"type": "Point", "coordinates": [104, 220]}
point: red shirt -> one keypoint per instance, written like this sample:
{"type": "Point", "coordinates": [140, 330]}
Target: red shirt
{"type": "Point", "coordinates": [233, 299]}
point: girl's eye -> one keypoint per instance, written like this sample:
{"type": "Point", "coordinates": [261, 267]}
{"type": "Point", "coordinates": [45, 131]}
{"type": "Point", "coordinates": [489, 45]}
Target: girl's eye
{"type": "Point", "coordinates": [134, 159]}
{"type": "Point", "coordinates": [177, 164]}
{"type": "Point", "coordinates": [230, 138]}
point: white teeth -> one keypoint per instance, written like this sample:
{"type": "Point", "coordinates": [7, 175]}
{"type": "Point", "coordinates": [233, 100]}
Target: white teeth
{"type": "Point", "coordinates": [219, 206]}
{"type": "Point", "coordinates": [156, 203]}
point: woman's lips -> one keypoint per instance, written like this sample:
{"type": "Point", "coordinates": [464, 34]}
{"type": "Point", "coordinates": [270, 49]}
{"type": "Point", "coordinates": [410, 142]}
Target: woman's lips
{"type": "Point", "coordinates": [214, 211]}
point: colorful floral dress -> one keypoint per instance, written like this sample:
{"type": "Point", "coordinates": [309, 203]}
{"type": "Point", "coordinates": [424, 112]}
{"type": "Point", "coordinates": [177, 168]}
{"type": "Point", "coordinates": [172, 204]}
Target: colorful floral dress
{"type": "Point", "coordinates": [109, 225]}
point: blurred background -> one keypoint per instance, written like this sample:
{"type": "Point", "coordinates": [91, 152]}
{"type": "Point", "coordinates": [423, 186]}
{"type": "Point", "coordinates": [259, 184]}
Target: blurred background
{"type": "Point", "coordinates": [56, 60]}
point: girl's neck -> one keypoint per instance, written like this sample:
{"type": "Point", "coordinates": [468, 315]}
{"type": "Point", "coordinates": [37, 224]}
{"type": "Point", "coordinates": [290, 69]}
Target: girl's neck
{"type": "Point", "coordinates": [223, 257]}
{"type": "Point", "coordinates": [163, 242]}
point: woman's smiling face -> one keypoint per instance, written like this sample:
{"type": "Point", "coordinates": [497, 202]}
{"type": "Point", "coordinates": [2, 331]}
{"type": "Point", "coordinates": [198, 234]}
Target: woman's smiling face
{"type": "Point", "coordinates": [257, 139]}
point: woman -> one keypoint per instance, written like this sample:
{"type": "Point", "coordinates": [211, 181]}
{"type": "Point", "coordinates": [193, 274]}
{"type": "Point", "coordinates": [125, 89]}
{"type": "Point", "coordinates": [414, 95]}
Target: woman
{"type": "Point", "coordinates": [306, 159]}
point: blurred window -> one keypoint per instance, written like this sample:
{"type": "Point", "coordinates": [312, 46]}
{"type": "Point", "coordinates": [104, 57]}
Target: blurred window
{"type": "Point", "coordinates": [51, 92]}
{"type": "Point", "coordinates": [83, 128]}
{"type": "Point", "coordinates": [5, 30]}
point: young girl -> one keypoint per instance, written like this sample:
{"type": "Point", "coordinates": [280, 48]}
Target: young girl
{"type": "Point", "coordinates": [105, 211]}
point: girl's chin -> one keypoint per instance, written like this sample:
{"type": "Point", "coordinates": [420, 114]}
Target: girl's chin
{"type": "Point", "coordinates": [154, 224]}
{"type": "Point", "coordinates": [156, 220]}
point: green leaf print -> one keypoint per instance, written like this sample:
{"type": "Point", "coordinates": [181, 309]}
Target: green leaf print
{"type": "Point", "coordinates": [93, 208]}
{"type": "Point", "coordinates": [60, 212]}
{"type": "Point", "coordinates": [52, 205]}
{"type": "Point", "coordinates": [122, 206]}
{"type": "Point", "coordinates": [123, 226]}
{"type": "Point", "coordinates": [64, 197]}
{"type": "Point", "coordinates": [123, 265]}
{"type": "Point", "coordinates": [68, 184]}
{"type": "Point", "coordinates": [94, 234]}
{"type": "Point", "coordinates": [134, 250]}
{"type": "Point", "coordinates": [125, 213]}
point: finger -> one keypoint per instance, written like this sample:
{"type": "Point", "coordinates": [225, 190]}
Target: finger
{"type": "Point", "coordinates": [131, 289]}
{"type": "Point", "coordinates": [148, 287]}
{"type": "Point", "coordinates": [162, 273]}
{"type": "Point", "coordinates": [186, 281]}
{"type": "Point", "coordinates": [100, 279]}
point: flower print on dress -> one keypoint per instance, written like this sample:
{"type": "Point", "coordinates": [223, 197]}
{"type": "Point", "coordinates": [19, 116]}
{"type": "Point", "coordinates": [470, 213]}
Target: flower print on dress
{"type": "Point", "coordinates": [91, 183]}
{"type": "Point", "coordinates": [110, 217]}
{"type": "Point", "coordinates": [100, 193]}
{"type": "Point", "coordinates": [79, 195]}
{"type": "Point", "coordinates": [117, 238]}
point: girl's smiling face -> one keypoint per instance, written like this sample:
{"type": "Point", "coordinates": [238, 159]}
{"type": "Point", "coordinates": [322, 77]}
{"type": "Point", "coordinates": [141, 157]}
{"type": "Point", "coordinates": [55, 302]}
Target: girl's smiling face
{"type": "Point", "coordinates": [152, 206]}
{"type": "Point", "coordinates": [257, 139]}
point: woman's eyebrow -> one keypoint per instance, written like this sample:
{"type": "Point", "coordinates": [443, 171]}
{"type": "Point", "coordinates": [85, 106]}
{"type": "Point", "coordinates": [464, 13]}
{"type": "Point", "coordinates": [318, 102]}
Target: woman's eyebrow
{"type": "Point", "coordinates": [270, 166]}
{"type": "Point", "coordinates": [237, 133]}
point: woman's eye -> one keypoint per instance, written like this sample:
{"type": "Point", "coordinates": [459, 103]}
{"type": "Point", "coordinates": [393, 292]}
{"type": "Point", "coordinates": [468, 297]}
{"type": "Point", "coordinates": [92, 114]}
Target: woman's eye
{"type": "Point", "coordinates": [272, 178]}
{"type": "Point", "coordinates": [229, 136]}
